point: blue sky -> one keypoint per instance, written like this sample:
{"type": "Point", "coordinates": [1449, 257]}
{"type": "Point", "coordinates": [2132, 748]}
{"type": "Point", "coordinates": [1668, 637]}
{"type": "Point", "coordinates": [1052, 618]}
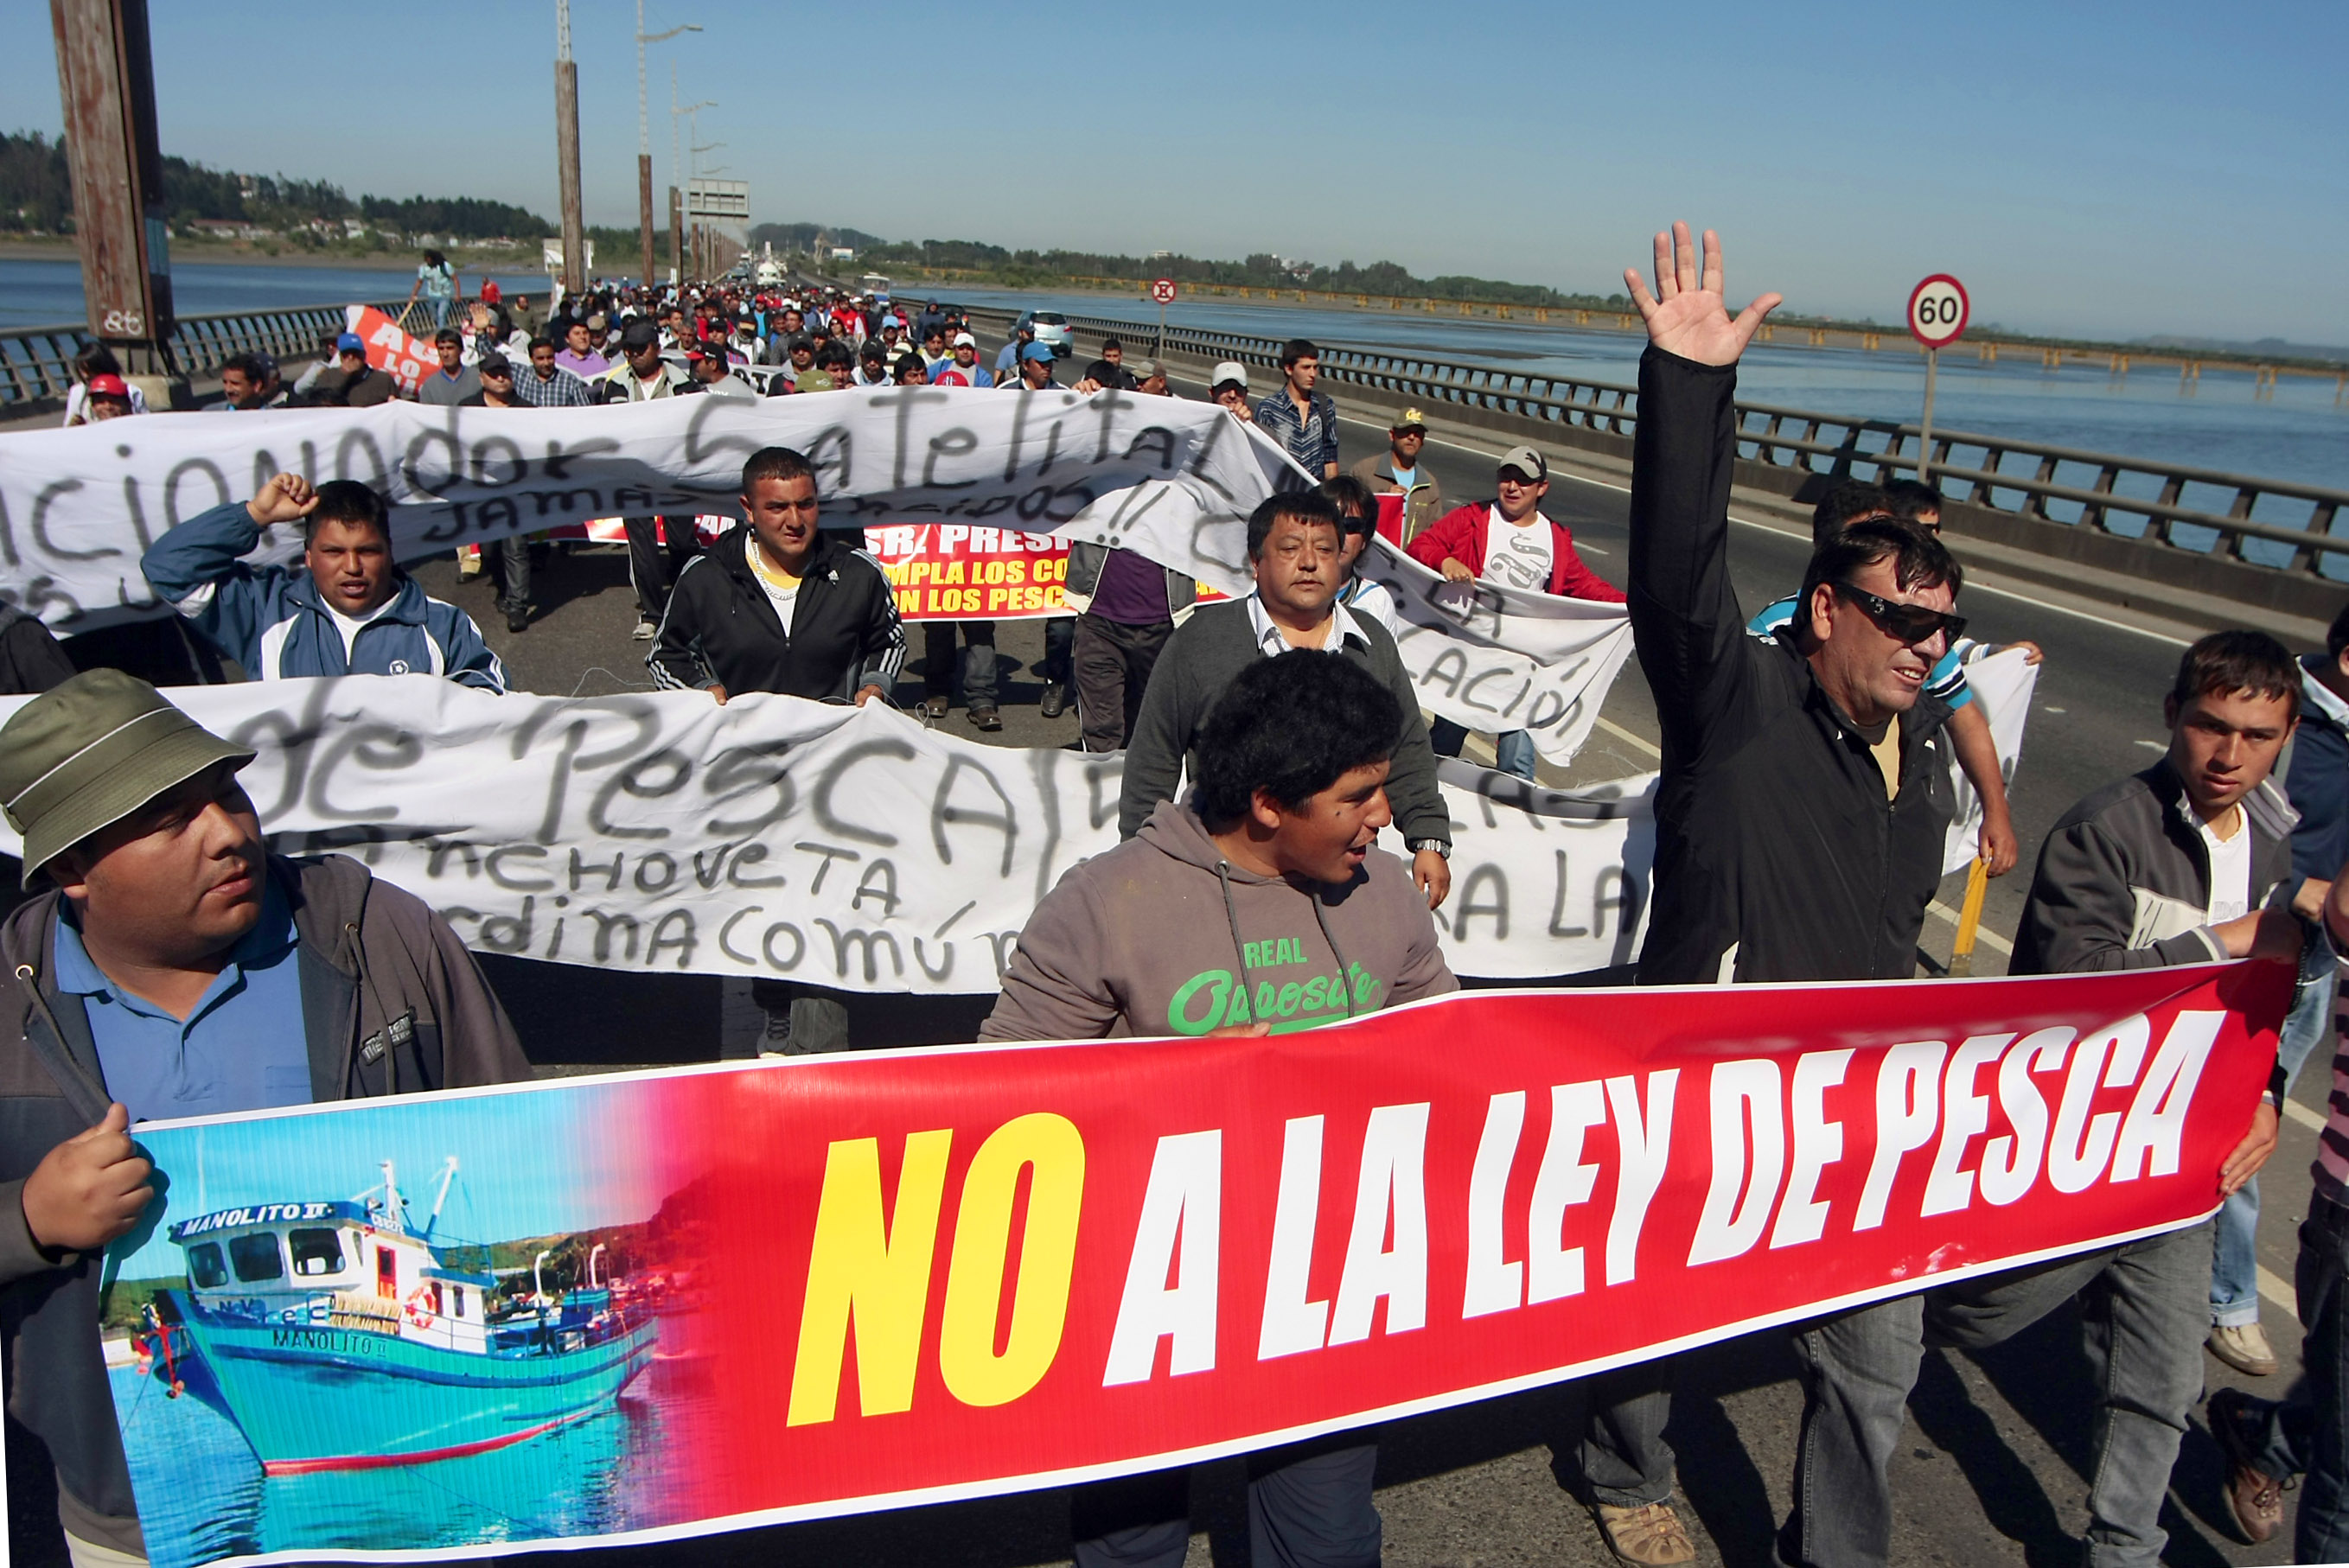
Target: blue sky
{"type": "Point", "coordinates": [560, 1159]}
{"type": "Point", "coordinates": [2108, 169]}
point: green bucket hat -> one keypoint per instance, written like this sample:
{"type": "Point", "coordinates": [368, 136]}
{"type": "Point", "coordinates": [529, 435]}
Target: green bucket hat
{"type": "Point", "coordinates": [91, 751]}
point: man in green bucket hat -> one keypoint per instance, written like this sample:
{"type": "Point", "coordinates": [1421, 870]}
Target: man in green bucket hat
{"type": "Point", "coordinates": [173, 966]}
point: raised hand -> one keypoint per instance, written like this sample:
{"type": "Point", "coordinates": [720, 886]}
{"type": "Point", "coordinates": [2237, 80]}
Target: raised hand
{"type": "Point", "coordinates": [287, 498]}
{"type": "Point", "coordinates": [1686, 315]}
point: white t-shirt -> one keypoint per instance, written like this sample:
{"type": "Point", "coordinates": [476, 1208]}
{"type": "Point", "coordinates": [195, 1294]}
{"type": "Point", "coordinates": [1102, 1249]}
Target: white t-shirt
{"type": "Point", "coordinates": [784, 600]}
{"type": "Point", "coordinates": [1517, 555]}
{"type": "Point", "coordinates": [349, 626]}
{"type": "Point", "coordinates": [2230, 869]}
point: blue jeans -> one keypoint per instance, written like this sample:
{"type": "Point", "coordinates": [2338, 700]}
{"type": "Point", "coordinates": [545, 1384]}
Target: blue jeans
{"type": "Point", "coordinates": [2235, 1265]}
{"type": "Point", "coordinates": [2304, 1434]}
{"type": "Point", "coordinates": [1310, 1506]}
{"type": "Point", "coordinates": [1513, 749]}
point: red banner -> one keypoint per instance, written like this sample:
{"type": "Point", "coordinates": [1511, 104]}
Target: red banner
{"type": "Point", "coordinates": [664, 1305]}
{"type": "Point", "coordinates": [961, 572]}
{"type": "Point", "coordinates": [407, 359]}
{"type": "Point", "coordinates": [985, 1271]}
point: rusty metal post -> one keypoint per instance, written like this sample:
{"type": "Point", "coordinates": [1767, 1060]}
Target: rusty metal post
{"type": "Point", "coordinates": [567, 151]}
{"type": "Point", "coordinates": [106, 81]}
{"type": "Point", "coordinates": [676, 233]}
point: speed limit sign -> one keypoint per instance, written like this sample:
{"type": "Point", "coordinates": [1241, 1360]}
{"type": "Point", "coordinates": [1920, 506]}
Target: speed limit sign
{"type": "Point", "coordinates": [1162, 291]}
{"type": "Point", "coordinates": [1937, 311]}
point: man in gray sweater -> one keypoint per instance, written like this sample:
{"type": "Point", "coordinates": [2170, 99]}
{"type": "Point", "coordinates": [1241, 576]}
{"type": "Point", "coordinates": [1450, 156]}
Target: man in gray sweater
{"type": "Point", "coordinates": [1292, 543]}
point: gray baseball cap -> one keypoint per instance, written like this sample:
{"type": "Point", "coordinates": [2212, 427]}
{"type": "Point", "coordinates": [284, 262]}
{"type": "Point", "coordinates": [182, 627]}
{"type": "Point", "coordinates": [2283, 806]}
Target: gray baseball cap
{"type": "Point", "coordinates": [91, 751]}
{"type": "Point", "coordinates": [1526, 461]}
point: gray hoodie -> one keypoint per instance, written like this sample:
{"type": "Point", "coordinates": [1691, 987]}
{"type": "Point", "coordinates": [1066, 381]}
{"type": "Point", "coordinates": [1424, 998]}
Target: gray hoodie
{"type": "Point", "coordinates": [1149, 938]}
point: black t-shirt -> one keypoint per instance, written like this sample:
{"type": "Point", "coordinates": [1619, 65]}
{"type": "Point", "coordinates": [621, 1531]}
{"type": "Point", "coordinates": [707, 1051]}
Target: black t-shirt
{"type": "Point", "coordinates": [1115, 376]}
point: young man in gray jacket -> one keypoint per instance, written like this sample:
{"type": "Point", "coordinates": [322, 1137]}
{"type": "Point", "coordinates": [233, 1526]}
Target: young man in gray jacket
{"type": "Point", "coordinates": [176, 968]}
{"type": "Point", "coordinates": [2187, 863]}
{"type": "Point", "coordinates": [1293, 547]}
{"type": "Point", "coordinates": [1259, 905]}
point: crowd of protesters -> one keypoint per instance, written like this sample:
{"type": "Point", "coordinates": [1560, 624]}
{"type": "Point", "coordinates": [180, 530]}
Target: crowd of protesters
{"type": "Point", "coordinates": [170, 964]}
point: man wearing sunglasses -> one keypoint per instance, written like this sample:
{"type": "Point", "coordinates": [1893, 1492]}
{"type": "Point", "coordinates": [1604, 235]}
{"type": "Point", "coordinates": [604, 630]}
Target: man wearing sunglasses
{"type": "Point", "coordinates": [1799, 826]}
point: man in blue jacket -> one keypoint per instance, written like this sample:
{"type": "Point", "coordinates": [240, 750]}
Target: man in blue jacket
{"type": "Point", "coordinates": [346, 610]}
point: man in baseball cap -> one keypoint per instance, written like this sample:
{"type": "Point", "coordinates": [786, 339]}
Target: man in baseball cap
{"type": "Point", "coordinates": [1228, 385]}
{"type": "Point", "coordinates": [1507, 542]}
{"type": "Point", "coordinates": [110, 397]}
{"type": "Point", "coordinates": [963, 368]}
{"type": "Point", "coordinates": [353, 383]}
{"type": "Point", "coordinates": [175, 968]}
{"type": "Point", "coordinates": [1399, 471]}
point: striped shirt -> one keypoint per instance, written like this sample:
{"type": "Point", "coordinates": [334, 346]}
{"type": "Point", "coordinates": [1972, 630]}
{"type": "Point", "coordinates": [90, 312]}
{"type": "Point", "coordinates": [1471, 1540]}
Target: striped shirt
{"type": "Point", "coordinates": [1311, 439]}
{"type": "Point", "coordinates": [2331, 1167]}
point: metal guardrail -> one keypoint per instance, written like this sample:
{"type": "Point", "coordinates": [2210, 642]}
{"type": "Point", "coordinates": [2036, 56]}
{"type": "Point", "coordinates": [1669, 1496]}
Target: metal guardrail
{"type": "Point", "coordinates": [2200, 511]}
{"type": "Point", "coordinates": [36, 362]}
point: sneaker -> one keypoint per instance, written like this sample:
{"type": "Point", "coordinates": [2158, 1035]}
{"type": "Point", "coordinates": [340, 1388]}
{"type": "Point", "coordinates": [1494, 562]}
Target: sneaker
{"type": "Point", "coordinates": [517, 620]}
{"type": "Point", "coordinates": [985, 719]}
{"type": "Point", "coordinates": [775, 1034]}
{"type": "Point", "coordinates": [2245, 1347]}
{"type": "Point", "coordinates": [1647, 1536]}
{"type": "Point", "coordinates": [645, 631]}
{"type": "Point", "coordinates": [2253, 1497]}
{"type": "Point", "coordinates": [934, 706]}
{"type": "Point", "coordinates": [1056, 699]}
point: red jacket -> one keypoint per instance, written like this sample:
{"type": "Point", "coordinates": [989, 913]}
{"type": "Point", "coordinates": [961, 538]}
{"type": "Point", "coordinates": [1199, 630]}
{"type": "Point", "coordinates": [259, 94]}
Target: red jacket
{"type": "Point", "coordinates": [1460, 534]}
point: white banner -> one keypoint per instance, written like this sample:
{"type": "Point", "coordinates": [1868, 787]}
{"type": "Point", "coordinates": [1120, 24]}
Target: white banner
{"type": "Point", "coordinates": [1172, 480]}
{"type": "Point", "coordinates": [2002, 686]}
{"type": "Point", "coordinates": [1492, 659]}
{"type": "Point", "coordinates": [772, 836]}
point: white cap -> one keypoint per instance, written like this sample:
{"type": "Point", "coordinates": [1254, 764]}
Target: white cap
{"type": "Point", "coordinates": [962, 337]}
{"type": "Point", "coordinates": [1229, 370]}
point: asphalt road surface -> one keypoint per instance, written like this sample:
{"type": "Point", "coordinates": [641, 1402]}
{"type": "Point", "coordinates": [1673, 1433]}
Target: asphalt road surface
{"type": "Point", "coordinates": [1990, 1469]}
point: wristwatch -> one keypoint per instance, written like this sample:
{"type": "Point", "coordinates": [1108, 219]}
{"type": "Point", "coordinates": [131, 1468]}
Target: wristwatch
{"type": "Point", "coordinates": [1441, 846]}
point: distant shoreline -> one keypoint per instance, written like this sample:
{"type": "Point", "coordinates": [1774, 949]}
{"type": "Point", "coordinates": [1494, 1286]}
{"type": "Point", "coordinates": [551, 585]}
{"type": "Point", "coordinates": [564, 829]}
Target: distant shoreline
{"type": "Point", "coordinates": [184, 255]}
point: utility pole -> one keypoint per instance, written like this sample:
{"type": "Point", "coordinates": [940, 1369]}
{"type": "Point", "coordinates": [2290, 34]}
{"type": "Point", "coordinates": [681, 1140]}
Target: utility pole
{"type": "Point", "coordinates": [645, 135]}
{"type": "Point", "coordinates": [105, 82]}
{"type": "Point", "coordinates": [567, 151]}
{"type": "Point", "coordinates": [675, 235]}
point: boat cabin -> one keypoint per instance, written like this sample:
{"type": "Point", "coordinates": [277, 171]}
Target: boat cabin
{"type": "Point", "coordinates": [330, 1265]}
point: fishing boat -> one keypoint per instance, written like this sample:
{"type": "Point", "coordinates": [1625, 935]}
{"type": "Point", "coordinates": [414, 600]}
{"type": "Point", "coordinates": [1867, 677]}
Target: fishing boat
{"type": "Point", "coordinates": [339, 1338]}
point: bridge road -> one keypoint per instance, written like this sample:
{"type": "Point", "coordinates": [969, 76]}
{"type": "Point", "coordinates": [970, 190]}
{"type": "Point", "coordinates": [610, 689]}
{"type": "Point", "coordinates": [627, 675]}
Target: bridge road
{"type": "Point", "coordinates": [1990, 1469]}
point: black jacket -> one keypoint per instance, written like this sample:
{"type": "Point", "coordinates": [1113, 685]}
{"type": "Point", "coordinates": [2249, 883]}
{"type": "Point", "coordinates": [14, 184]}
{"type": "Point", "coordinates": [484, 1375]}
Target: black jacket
{"type": "Point", "coordinates": [722, 630]}
{"type": "Point", "coordinates": [1777, 855]}
{"type": "Point", "coordinates": [406, 1010]}
{"type": "Point", "coordinates": [30, 657]}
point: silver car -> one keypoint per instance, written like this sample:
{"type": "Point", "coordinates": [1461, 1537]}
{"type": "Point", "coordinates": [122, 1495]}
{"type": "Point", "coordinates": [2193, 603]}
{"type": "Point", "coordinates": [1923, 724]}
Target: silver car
{"type": "Point", "coordinates": [1052, 330]}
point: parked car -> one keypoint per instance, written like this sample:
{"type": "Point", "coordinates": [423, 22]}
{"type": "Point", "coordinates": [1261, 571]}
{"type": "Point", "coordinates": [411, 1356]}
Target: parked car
{"type": "Point", "coordinates": [1052, 329]}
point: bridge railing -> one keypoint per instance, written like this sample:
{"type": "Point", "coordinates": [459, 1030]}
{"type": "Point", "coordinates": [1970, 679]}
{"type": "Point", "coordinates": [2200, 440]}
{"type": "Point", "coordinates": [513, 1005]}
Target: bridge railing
{"type": "Point", "coordinates": [36, 362]}
{"type": "Point", "coordinates": [2265, 523]}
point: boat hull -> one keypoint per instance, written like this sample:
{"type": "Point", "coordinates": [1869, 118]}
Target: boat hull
{"type": "Point", "coordinates": [312, 1399]}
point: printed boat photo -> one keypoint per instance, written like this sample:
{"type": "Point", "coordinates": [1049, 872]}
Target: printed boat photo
{"type": "Point", "coordinates": [336, 1337]}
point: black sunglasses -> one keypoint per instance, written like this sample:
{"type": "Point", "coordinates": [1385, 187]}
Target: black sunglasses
{"type": "Point", "coordinates": [1911, 624]}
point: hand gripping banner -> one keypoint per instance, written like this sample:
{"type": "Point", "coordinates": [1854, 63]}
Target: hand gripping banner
{"type": "Point", "coordinates": [657, 1306]}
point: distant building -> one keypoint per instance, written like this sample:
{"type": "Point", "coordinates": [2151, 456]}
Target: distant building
{"type": "Point", "coordinates": [227, 229]}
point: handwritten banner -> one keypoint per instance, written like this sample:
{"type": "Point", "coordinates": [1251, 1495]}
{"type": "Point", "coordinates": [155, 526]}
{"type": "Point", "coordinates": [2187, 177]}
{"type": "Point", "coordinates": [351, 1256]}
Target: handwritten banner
{"type": "Point", "coordinates": [2002, 684]}
{"type": "Point", "coordinates": [650, 1307]}
{"type": "Point", "coordinates": [407, 359]}
{"type": "Point", "coordinates": [850, 847]}
{"type": "Point", "coordinates": [1172, 480]}
{"type": "Point", "coordinates": [1492, 658]}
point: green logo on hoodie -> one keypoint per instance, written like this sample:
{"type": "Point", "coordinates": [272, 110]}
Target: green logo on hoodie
{"type": "Point", "coordinates": [1211, 1000]}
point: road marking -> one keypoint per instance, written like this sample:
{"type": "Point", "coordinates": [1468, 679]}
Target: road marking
{"type": "Point", "coordinates": [2045, 707]}
{"type": "Point", "coordinates": [1641, 741]}
{"type": "Point", "coordinates": [2276, 1291]}
{"type": "Point", "coordinates": [1988, 938]}
{"type": "Point", "coordinates": [1582, 547]}
{"type": "Point", "coordinates": [2150, 745]}
{"type": "Point", "coordinates": [2311, 1120]}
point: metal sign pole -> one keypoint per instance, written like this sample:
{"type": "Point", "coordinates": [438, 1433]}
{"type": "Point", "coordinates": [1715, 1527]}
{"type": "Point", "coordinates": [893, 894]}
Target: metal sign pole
{"type": "Point", "coordinates": [1925, 428]}
{"type": "Point", "coordinates": [1159, 353]}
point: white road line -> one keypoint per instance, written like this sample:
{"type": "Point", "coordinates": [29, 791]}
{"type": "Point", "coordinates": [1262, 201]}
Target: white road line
{"type": "Point", "coordinates": [1983, 934]}
{"type": "Point", "coordinates": [2311, 1120]}
{"type": "Point", "coordinates": [1641, 741]}
{"type": "Point", "coordinates": [2277, 1291]}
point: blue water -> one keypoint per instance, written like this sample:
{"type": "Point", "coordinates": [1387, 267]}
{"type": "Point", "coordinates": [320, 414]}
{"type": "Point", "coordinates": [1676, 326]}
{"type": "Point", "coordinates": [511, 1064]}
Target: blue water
{"type": "Point", "coordinates": [46, 292]}
{"type": "Point", "coordinates": [2300, 434]}
{"type": "Point", "coordinates": [203, 1495]}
